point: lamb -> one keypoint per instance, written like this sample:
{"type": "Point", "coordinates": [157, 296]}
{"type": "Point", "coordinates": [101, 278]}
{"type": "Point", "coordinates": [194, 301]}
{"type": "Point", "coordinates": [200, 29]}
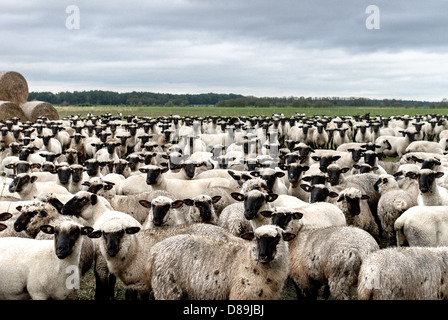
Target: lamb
{"type": "Point", "coordinates": [356, 211]}
{"type": "Point", "coordinates": [26, 186]}
{"type": "Point", "coordinates": [37, 269]}
{"type": "Point", "coordinates": [202, 209]}
{"type": "Point", "coordinates": [227, 270]}
{"type": "Point", "coordinates": [126, 247]}
{"type": "Point", "coordinates": [392, 203]}
{"type": "Point", "coordinates": [328, 255]}
{"type": "Point", "coordinates": [420, 227]}
{"type": "Point", "coordinates": [164, 212]}
{"type": "Point", "coordinates": [403, 274]}
{"type": "Point", "coordinates": [430, 193]}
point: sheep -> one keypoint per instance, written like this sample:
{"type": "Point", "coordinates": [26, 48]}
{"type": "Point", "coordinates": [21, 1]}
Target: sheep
{"type": "Point", "coordinates": [126, 247]}
{"type": "Point", "coordinates": [320, 137]}
{"type": "Point", "coordinates": [272, 178]}
{"type": "Point", "coordinates": [356, 211]}
{"type": "Point", "coordinates": [425, 146]}
{"type": "Point", "coordinates": [392, 203]}
{"type": "Point", "coordinates": [228, 270]}
{"type": "Point", "coordinates": [294, 174]}
{"type": "Point", "coordinates": [430, 193]}
{"type": "Point", "coordinates": [26, 186]}
{"type": "Point", "coordinates": [86, 205]}
{"type": "Point", "coordinates": [404, 274]}
{"type": "Point", "coordinates": [181, 188]}
{"type": "Point", "coordinates": [39, 213]}
{"type": "Point", "coordinates": [202, 209]}
{"type": "Point", "coordinates": [37, 269]}
{"type": "Point", "coordinates": [420, 227]}
{"type": "Point", "coordinates": [325, 256]}
{"type": "Point", "coordinates": [164, 212]}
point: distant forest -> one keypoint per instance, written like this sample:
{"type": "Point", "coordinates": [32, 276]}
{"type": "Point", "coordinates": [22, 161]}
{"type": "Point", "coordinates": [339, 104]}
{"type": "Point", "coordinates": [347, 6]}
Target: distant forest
{"type": "Point", "coordinates": [99, 97]}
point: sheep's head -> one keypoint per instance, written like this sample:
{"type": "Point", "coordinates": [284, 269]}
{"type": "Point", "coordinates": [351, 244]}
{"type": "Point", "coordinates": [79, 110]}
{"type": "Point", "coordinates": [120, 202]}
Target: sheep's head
{"type": "Point", "coordinates": [80, 201]}
{"type": "Point", "coordinates": [20, 182]}
{"type": "Point", "coordinates": [66, 236]}
{"type": "Point", "coordinates": [254, 200]}
{"type": "Point", "coordinates": [161, 206]}
{"type": "Point", "coordinates": [426, 179]}
{"type": "Point", "coordinates": [266, 241]}
{"type": "Point", "coordinates": [351, 198]}
{"type": "Point", "coordinates": [201, 207]}
{"type": "Point", "coordinates": [153, 173]}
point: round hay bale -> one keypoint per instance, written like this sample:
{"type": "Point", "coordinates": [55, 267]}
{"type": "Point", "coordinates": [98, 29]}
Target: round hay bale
{"type": "Point", "coordinates": [13, 87]}
{"type": "Point", "coordinates": [9, 110]}
{"type": "Point", "coordinates": [36, 109]}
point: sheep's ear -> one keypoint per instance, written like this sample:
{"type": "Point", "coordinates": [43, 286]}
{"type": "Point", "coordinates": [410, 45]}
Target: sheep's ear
{"type": "Point", "coordinates": [280, 174]}
{"type": "Point", "coordinates": [248, 236]}
{"type": "Point", "coordinates": [86, 230]}
{"type": "Point", "coordinates": [5, 216]}
{"type": "Point", "coordinates": [439, 174]}
{"type": "Point", "coordinates": [271, 197]}
{"type": "Point", "coordinates": [307, 179]}
{"type": "Point", "coordinates": [356, 166]}
{"type": "Point", "coordinates": [315, 158]}
{"type": "Point", "coordinates": [163, 170]}
{"type": "Point", "coordinates": [108, 186]}
{"type": "Point", "coordinates": [283, 166]}
{"type": "Point", "coordinates": [297, 215]}
{"type": "Point", "coordinates": [132, 230]}
{"type": "Point", "coordinates": [177, 204]}
{"type": "Point", "coordinates": [345, 170]}
{"type": "Point", "coordinates": [10, 166]}
{"type": "Point", "coordinates": [306, 187]}
{"type": "Point", "coordinates": [145, 203]}
{"type": "Point", "coordinates": [86, 183]}
{"type": "Point", "coordinates": [2, 225]}
{"type": "Point", "coordinates": [237, 196]}
{"type": "Point", "coordinates": [335, 158]}
{"type": "Point", "coordinates": [189, 202]}
{"type": "Point", "coordinates": [411, 175]}
{"type": "Point", "coordinates": [341, 198]}
{"type": "Point", "coordinates": [288, 236]}
{"type": "Point", "coordinates": [143, 170]}
{"type": "Point", "coordinates": [47, 229]}
{"type": "Point", "coordinates": [365, 197]}
{"type": "Point", "coordinates": [19, 208]}
{"type": "Point", "coordinates": [255, 173]}
{"type": "Point", "coordinates": [216, 199]}
{"type": "Point", "coordinates": [33, 179]}
{"type": "Point", "coordinates": [266, 213]}
{"type": "Point", "coordinates": [95, 234]}
{"type": "Point", "coordinates": [332, 194]}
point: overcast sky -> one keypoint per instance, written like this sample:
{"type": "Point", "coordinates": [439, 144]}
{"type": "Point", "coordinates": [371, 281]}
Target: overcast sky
{"type": "Point", "coordinates": [263, 48]}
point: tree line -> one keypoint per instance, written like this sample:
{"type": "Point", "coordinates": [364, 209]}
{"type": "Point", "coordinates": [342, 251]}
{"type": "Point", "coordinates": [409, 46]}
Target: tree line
{"type": "Point", "coordinates": [134, 98]}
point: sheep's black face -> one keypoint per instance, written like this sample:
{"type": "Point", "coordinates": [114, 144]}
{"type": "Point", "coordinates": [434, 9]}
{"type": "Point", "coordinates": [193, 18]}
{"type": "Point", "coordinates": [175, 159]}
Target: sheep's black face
{"type": "Point", "coordinates": [267, 248]}
{"type": "Point", "coordinates": [24, 218]}
{"type": "Point", "coordinates": [64, 241]}
{"type": "Point", "coordinates": [46, 139]}
{"type": "Point", "coordinates": [318, 194]}
{"type": "Point", "coordinates": [64, 174]}
{"type": "Point", "coordinates": [92, 167]}
{"type": "Point", "coordinates": [204, 208]}
{"type": "Point", "coordinates": [333, 176]}
{"type": "Point", "coordinates": [281, 219]}
{"type": "Point", "coordinates": [22, 167]}
{"type": "Point", "coordinates": [113, 240]}
{"type": "Point", "coordinates": [189, 169]}
{"type": "Point", "coordinates": [425, 181]}
{"type": "Point", "coordinates": [18, 183]}
{"type": "Point", "coordinates": [152, 175]}
{"type": "Point", "coordinates": [75, 205]}
{"type": "Point", "coordinates": [159, 213]}
{"type": "Point", "coordinates": [353, 205]}
{"type": "Point", "coordinates": [76, 174]}
{"type": "Point", "coordinates": [252, 205]}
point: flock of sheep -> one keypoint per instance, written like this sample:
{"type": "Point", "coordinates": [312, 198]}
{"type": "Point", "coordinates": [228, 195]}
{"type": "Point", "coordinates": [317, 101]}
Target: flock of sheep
{"type": "Point", "coordinates": [225, 207]}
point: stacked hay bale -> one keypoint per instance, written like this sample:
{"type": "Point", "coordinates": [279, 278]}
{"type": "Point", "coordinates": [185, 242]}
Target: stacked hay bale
{"type": "Point", "coordinates": [36, 109]}
{"type": "Point", "coordinates": [13, 100]}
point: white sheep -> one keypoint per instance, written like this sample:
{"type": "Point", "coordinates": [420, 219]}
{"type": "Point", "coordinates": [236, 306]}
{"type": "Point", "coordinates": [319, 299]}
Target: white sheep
{"type": "Point", "coordinates": [392, 203]}
{"type": "Point", "coordinates": [163, 212]}
{"type": "Point", "coordinates": [40, 269]}
{"type": "Point", "coordinates": [197, 267]}
{"type": "Point", "coordinates": [418, 226]}
{"type": "Point", "coordinates": [414, 273]}
{"type": "Point", "coordinates": [431, 194]}
{"type": "Point", "coordinates": [26, 186]}
{"type": "Point", "coordinates": [202, 209]}
{"type": "Point", "coordinates": [126, 247]}
{"type": "Point", "coordinates": [325, 255]}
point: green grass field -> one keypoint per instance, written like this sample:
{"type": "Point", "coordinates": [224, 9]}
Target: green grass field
{"type": "Point", "coordinates": [246, 111]}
